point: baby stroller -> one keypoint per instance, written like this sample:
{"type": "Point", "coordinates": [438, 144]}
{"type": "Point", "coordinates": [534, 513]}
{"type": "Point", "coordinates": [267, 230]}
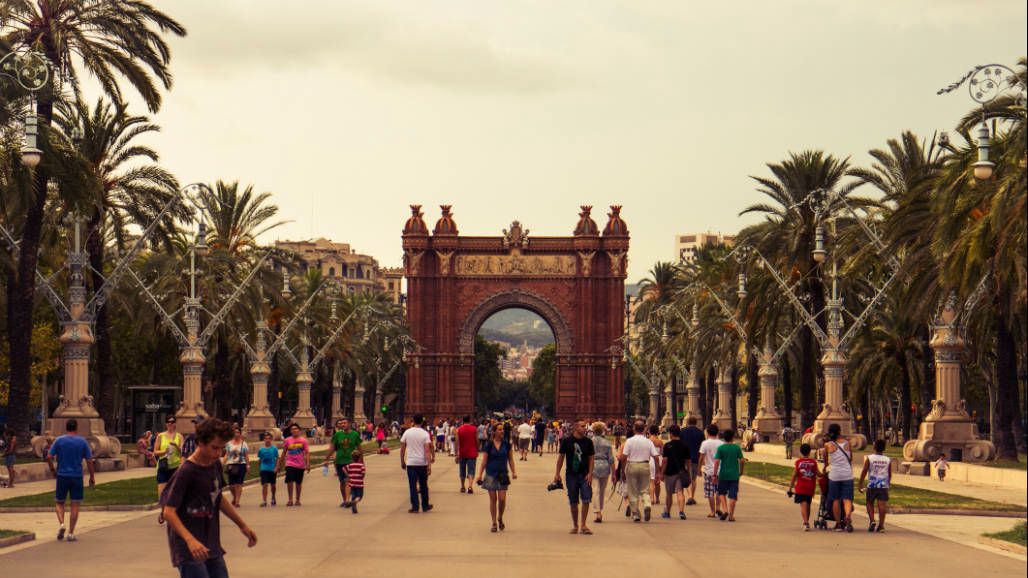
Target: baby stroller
{"type": "Point", "coordinates": [824, 511]}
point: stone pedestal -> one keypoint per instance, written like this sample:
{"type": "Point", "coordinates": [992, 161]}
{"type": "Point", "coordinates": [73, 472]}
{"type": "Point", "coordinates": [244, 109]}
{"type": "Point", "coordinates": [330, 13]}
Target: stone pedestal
{"type": "Point", "coordinates": [768, 424]}
{"type": "Point", "coordinates": [654, 396]}
{"type": "Point", "coordinates": [76, 403]}
{"type": "Point", "coordinates": [722, 417]}
{"type": "Point", "coordinates": [948, 430]}
{"type": "Point", "coordinates": [359, 417]}
{"type": "Point", "coordinates": [692, 395]}
{"type": "Point", "coordinates": [669, 406]}
{"type": "Point", "coordinates": [378, 405]}
{"type": "Point", "coordinates": [337, 400]}
{"type": "Point", "coordinates": [303, 416]}
{"type": "Point", "coordinates": [834, 363]}
{"type": "Point", "coordinates": [193, 360]}
{"type": "Point", "coordinates": [259, 419]}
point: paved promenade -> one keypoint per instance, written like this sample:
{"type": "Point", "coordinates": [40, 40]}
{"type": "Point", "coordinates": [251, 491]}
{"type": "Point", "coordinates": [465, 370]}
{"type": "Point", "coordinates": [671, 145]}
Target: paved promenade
{"type": "Point", "coordinates": [320, 539]}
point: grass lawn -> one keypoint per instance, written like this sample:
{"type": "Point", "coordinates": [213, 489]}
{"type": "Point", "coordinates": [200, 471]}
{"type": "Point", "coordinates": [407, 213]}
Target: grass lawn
{"type": "Point", "coordinates": [12, 533]}
{"type": "Point", "coordinates": [902, 496]}
{"type": "Point", "coordinates": [1017, 534]}
{"type": "Point", "coordinates": [1019, 464]}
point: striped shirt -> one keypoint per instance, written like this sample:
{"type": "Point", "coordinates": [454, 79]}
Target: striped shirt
{"type": "Point", "coordinates": [355, 474]}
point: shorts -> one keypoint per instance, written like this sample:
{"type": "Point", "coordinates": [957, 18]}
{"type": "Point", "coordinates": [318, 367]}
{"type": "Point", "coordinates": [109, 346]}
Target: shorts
{"type": "Point", "coordinates": [877, 495]}
{"type": "Point", "coordinates": [69, 485]}
{"type": "Point", "coordinates": [210, 568]}
{"type": "Point", "coordinates": [673, 483]}
{"type": "Point", "coordinates": [268, 477]}
{"type": "Point", "coordinates": [439, 439]}
{"type": "Point", "coordinates": [356, 493]}
{"type": "Point", "coordinates": [236, 474]}
{"type": "Point", "coordinates": [523, 443]}
{"type": "Point", "coordinates": [942, 474]}
{"type": "Point", "coordinates": [840, 490]}
{"type": "Point", "coordinates": [728, 488]}
{"type": "Point", "coordinates": [709, 487]}
{"type": "Point", "coordinates": [467, 468]}
{"type": "Point", "coordinates": [578, 490]}
{"type": "Point", "coordinates": [802, 498]}
{"type": "Point", "coordinates": [653, 470]}
{"type": "Point", "coordinates": [341, 472]}
{"type": "Point", "coordinates": [9, 460]}
{"type": "Point", "coordinates": [294, 475]}
{"type": "Point", "coordinates": [692, 469]}
{"type": "Point", "coordinates": [164, 476]}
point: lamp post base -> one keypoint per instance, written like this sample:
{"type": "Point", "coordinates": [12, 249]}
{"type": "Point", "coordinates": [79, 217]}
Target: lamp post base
{"type": "Point", "coordinates": [90, 428]}
{"type": "Point", "coordinates": [768, 428]}
{"type": "Point", "coordinates": [954, 439]}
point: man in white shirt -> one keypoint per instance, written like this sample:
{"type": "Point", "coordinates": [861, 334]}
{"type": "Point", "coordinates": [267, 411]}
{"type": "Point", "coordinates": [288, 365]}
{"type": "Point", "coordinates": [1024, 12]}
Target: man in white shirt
{"type": "Point", "coordinates": [525, 432]}
{"type": "Point", "coordinates": [707, 450]}
{"type": "Point", "coordinates": [416, 456]}
{"type": "Point", "coordinates": [638, 450]}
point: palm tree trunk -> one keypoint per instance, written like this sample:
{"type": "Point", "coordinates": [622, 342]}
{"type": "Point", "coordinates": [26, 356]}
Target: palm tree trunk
{"type": "Point", "coordinates": [808, 378]}
{"type": "Point", "coordinates": [733, 409]}
{"type": "Point", "coordinates": [787, 389]}
{"type": "Point", "coordinates": [22, 294]}
{"type": "Point", "coordinates": [927, 389]}
{"type": "Point", "coordinates": [708, 410]}
{"type": "Point", "coordinates": [906, 400]}
{"type": "Point", "coordinates": [1007, 408]}
{"type": "Point", "coordinates": [222, 378]}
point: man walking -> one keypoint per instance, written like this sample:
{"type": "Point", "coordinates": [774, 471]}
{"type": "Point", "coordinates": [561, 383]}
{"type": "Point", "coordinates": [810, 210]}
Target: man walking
{"type": "Point", "coordinates": [728, 468]}
{"type": "Point", "coordinates": [676, 471]}
{"type": "Point", "coordinates": [692, 437]}
{"type": "Point", "coordinates": [525, 432]}
{"type": "Point", "coordinates": [345, 441]}
{"type": "Point", "coordinates": [540, 435]}
{"type": "Point", "coordinates": [707, 451]}
{"type": "Point", "coordinates": [579, 453]}
{"type": "Point", "coordinates": [193, 505]}
{"type": "Point", "coordinates": [70, 450]}
{"type": "Point", "coordinates": [416, 457]}
{"type": "Point", "coordinates": [296, 455]}
{"type": "Point", "coordinates": [637, 451]}
{"type": "Point", "coordinates": [467, 453]}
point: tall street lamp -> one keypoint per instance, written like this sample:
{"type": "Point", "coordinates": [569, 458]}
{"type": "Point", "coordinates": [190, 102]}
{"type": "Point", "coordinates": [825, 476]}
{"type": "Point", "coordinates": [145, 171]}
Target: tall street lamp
{"type": "Point", "coordinates": [29, 69]}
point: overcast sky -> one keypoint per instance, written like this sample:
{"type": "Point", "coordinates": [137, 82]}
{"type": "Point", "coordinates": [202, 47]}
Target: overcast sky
{"type": "Point", "coordinates": [349, 111]}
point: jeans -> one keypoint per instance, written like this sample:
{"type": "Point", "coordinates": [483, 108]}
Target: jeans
{"type": "Point", "coordinates": [467, 468]}
{"type": "Point", "coordinates": [578, 490]}
{"type": "Point", "coordinates": [417, 480]}
{"type": "Point", "coordinates": [637, 476]}
{"type": "Point", "coordinates": [212, 568]}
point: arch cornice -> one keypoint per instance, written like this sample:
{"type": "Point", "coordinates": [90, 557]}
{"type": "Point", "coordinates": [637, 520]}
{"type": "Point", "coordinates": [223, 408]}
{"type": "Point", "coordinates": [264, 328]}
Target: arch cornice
{"type": "Point", "coordinates": [515, 298]}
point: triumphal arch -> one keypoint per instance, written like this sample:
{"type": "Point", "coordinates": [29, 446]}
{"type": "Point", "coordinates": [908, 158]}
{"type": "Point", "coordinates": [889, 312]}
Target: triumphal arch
{"type": "Point", "coordinates": [575, 283]}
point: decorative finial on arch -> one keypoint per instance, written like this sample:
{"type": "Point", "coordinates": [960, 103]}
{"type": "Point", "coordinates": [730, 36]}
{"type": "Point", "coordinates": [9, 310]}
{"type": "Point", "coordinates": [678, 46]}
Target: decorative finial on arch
{"type": "Point", "coordinates": [415, 224]}
{"type": "Point", "coordinates": [445, 225]}
{"type": "Point", "coordinates": [586, 225]}
{"type": "Point", "coordinates": [616, 226]}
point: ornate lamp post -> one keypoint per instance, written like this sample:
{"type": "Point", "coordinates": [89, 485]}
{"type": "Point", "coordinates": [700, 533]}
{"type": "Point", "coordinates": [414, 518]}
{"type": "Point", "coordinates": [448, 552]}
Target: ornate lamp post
{"type": "Point", "coordinates": [984, 84]}
{"type": "Point", "coordinates": [30, 69]}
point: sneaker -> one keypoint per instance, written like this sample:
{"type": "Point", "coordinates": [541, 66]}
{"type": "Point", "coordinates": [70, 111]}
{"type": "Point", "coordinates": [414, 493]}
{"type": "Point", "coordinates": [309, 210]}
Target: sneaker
{"type": "Point", "coordinates": [344, 505]}
{"type": "Point", "coordinates": [723, 516]}
{"type": "Point", "coordinates": [871, 527]}
{"type": "Point", "coordinates": [880, 529]}
{"type": "Point", "coordinates": [353, 507]}
{"type": "Point", "coordinates": [60, 533]}
{"type": "Point", "coordinates": [273, 503]}
{"type": "Point", "coordinates": [628, 512]}
{"type": "Point", "coordinates": [665, 515]}
{"type": "Point", "coordinates": [462, 490]}
{"type": "Point", "coordinates": [681, 515]}
{"type": "Point", "coordinates": [636, 519]}
{"type": "Point", "coordinates": [690, 502]}
{"type": "Point", "coordinates": [806, 527]}
{"type": "Point", "coordinates": [428, 508]}
{"type": "Point", "coordinates": [646, 513]}
{"type": "Point", "coordinates": [470, 491]}
{"type": "Point", "coordinates": [412, 511]}
{"type": "Point", "coordinates": [72, 538]}
{"type": "Point", "coordinates": [264, 504]}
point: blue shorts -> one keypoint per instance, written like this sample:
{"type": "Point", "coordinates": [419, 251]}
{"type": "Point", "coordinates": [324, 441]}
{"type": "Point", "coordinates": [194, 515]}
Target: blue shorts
{"type": "Point", "coordinates": [164, 476]}
{"type": "Point", "coordinates": [268, 477]}
{"type": "Point", "coordinates": [728, 488]}
{"type": "Point", "coordinates": [467, 468]}
{"type": "Point", "coordinates": [210, 568]}
{"type": "Point", "coordinates": [356, 493]}
{"type": "Point", "coordinates": [841, 490]}
{"type": "Point", "coordinates": [69, 485]}
{"type": "Point", "coordinates": [578, 490]}
{"type": "Point", "coordinates": [341, 473]}
{"type": "Point", "coordinates": [9, 460]}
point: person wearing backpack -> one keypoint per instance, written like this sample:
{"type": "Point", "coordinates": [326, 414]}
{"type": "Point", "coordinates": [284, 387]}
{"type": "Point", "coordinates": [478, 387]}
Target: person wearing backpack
{"type": "Point", "coordinates": [840, 478]}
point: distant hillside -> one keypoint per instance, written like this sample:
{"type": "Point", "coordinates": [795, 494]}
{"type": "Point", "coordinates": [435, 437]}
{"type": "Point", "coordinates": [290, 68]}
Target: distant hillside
{"type": "Point", "coordinates": [516, 326]}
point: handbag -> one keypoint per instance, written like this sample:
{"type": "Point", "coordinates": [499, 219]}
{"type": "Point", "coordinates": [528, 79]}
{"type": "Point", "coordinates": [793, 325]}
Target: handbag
{"type": "Point", "coordinates": [503, 478]}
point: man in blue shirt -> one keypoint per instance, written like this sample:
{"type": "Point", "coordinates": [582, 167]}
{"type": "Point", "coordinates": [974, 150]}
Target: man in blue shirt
{"type": "Point", "coordinates": [70, 449]}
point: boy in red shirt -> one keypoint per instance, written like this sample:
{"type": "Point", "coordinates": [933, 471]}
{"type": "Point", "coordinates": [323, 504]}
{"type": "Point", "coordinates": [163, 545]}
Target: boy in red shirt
{"type": "Point", "coordinates": [467, 453]}
{"type": "Point", "coordinates": [355, 471]}
{"type": "Point", "coordinates": [804, 480]}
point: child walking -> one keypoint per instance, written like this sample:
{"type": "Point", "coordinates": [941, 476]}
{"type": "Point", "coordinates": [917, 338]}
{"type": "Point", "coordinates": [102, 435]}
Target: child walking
{"type": "Point", "coordinates": [355, 471]}
{"type": "Point", "coordinates": [267, 455]}
{"type": "Point", "coordinates": [878, 471]}
{"type": "Point", "coordinates": [940, 466]}
{"type": "Point", "coordinates": [804, 481]}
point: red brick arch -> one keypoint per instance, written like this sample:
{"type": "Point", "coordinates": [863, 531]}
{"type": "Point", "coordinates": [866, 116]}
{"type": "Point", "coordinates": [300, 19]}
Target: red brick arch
{"type": "Point", "coordinates": [575, 283]}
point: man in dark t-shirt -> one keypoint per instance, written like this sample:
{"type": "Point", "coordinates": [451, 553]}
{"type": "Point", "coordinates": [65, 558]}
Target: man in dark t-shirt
{"type": "Point", "coordinates": [192, 506]}
{"type": "Point", "coordinates": [692, 437]}
{"type": "Point", "coordinates": [578, 452]}
{"type": "Point", "coordinates": [676, 471]}
{"type": "Point", "coordinates": [540, 435]}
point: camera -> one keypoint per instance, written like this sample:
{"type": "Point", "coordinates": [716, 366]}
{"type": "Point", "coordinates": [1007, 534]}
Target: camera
{"type": "Point", "coordinates": [557, 485]}
{"type": "Point", "coordinates": [789, 493]}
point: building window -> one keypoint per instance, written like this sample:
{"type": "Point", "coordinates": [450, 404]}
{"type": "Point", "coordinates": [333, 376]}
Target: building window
{"type": "Point", "coordinates": [331, 271]}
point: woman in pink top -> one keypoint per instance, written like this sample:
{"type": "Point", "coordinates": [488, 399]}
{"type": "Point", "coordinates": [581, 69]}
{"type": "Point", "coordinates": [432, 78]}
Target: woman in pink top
{"type": "Point", "coordinates": [296, 453]}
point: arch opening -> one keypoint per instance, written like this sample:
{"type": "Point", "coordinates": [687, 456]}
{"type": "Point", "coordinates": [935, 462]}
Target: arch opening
{"type": "Point", "coordinates": [515, 363]}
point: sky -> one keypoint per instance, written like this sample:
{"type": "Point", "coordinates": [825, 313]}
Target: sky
{"type": "Point", "coordinates": [349, 111]}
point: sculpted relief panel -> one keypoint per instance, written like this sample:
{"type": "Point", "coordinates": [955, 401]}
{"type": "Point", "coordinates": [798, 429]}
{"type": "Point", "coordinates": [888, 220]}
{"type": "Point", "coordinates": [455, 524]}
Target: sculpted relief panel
{"type": "Point", "coordinates": [515, 265]}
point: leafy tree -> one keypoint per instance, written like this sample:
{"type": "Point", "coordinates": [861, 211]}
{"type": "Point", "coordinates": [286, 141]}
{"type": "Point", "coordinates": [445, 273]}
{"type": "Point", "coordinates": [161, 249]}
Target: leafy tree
{"type": "Point", "coordinates": [541, 384]}
{"type": "Point", "coordinates": [487, 371]}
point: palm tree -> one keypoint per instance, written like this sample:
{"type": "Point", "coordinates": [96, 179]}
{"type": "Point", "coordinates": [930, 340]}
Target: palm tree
{"type": "Point", "coordinates": [113, 39]}
{"type": "Point", "coordinates": [237, 217]}
{"type": "Point", "coordinates": [126, 187]}
{"type": "Point", "coordinates": [786, 238]}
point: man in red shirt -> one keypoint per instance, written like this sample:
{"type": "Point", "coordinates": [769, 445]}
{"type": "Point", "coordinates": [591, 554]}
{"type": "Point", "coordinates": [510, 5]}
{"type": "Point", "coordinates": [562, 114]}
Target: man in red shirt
{"type": "Point", "coordinates": [804, 480]}
{"type": "Point", "coordinates": [467, 453]}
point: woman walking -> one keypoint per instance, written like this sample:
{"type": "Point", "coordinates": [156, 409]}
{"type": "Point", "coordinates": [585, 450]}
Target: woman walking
{"type": "Point", "coordinates": [167, 450]}
{"type": "Point", "coordinates": [603, 468]}
{"type": "Point", "coordinates": [237, 462]}
{"type": "Point", "coordinates": [143, 448]}
{"type": "Point", "coordinates": [499, 460]}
